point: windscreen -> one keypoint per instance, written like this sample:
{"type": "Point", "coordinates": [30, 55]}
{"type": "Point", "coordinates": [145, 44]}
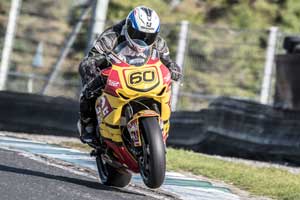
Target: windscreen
{"type": "Point", "coordinates": [131, 56]}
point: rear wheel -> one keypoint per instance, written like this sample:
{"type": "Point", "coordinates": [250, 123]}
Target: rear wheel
{"type": "Point", "coordinates": [110, 175]}
{"type": "Point", "coordinates": [153, 160]}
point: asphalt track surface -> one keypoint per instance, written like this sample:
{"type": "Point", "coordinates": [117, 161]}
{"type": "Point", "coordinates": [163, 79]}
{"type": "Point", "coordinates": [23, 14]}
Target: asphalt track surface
{"type": "Point", "coordinates": [22, 178]}
{"type": "Point", "coordinates": [176, 185]}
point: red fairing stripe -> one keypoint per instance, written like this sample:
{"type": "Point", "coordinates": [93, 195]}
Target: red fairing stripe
{"type": "Point", "coordinates": [152, 61]}
{"type": "Point", "coordinates": [166, 74]}
{"type": "Point", "coordinates": [113, 83]}
{"type": "Point", "coordinates": [121, 64]}
{"type": "Point", "coordinates": [124, 156]}
{"type": "Point", "coordinates": [105, 72]}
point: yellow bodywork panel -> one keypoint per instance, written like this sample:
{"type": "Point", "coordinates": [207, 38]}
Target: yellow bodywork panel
{"type": "Point", "coordinates": [134, 82]}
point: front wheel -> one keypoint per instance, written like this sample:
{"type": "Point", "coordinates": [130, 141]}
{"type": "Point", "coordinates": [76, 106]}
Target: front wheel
{"type": "Point", "coordinates": [111, 176]}
{"type": "Point", "coordinates": [153, 160]}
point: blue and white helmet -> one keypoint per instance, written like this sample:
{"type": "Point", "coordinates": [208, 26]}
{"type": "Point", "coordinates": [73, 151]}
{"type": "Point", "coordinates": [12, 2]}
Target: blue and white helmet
{"type": "Point", "coordinates": [142, 23]}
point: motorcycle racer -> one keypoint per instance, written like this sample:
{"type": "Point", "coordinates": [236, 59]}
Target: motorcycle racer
{"type": "Point", "coordinates": [142, 23]}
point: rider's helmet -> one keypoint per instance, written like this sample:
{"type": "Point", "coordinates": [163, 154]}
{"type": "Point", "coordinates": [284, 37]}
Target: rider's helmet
{"type": "Point", "coordinates": [142, 23]}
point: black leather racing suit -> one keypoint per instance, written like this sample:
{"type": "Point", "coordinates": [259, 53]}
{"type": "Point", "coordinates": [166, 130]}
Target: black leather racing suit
{"type": "Point", "coordinates": [95, 61]}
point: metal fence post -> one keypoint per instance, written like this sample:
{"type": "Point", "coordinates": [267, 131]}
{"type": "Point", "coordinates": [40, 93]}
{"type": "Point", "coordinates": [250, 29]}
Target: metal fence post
{"type": "Point", "coordinates": [182, 40]}
{"type": "Point", "coordinates": [38, 57]}
{"type": "Point", "coordinates": [64, 52]}
{"type": "Point", "coordinates": [8, 42]}
{"type": "Point", "coordinates": [30, 84]}
{"type": "Point", "coordinates": [98, 20]}
{"type": "Point", "coordinates": [270, 54]}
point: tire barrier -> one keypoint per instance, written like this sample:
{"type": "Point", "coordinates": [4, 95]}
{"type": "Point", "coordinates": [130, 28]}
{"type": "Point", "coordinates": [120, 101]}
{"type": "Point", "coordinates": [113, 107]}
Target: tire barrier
{"type": "Point", "coordinates": [287, 90]}
{"type": "Point", "coordinates": [31, 113]}
{"type": "Point", "coordinates": [228, 127]}
{"type": "Point", "coordinates": [239, 128]}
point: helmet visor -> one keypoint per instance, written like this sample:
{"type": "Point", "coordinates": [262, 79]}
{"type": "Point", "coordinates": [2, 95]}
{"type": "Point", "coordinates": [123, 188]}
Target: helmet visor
{"type": "Point", "coordinates": [148, 38]}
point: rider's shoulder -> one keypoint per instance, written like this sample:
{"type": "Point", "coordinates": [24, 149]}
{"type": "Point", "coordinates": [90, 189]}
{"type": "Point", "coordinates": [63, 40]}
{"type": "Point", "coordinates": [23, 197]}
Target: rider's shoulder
{"type": "Point", "coordinates": [106, 41]}
{"type": "Point", "coordinates": [109, 38]}
{"type": "Point", "coordinates": [118, 27]}
{"type": "Point", "coordinates": [109, 35]}
{"type": "Point", "coordinates": [112, 32]}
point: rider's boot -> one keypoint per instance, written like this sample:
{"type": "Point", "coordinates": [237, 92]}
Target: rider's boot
{"type": "Point", "coordinates": [87, 130]}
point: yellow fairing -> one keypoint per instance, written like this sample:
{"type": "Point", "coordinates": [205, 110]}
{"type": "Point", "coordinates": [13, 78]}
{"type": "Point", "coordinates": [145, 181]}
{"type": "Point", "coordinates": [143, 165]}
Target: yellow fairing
{"type": "Point", "coordinates": [145, 81]}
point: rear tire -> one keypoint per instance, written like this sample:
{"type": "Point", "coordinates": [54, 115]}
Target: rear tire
{"type": "Point", "coordinates": [111, 176]}
{"type": "Point", "coordinates": [153, 162]}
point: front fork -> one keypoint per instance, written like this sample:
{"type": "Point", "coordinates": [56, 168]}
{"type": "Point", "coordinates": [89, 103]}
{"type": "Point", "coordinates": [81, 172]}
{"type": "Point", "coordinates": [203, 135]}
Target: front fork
{"type": "Point", "coordinates": [133, 124]}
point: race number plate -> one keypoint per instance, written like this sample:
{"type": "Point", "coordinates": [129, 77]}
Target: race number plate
{"type": "Point", "coordinates": [144, 79]}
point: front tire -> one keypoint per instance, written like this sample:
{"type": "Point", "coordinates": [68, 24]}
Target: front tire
{"type": "Point", "coordinates": [111, 176]}
{"type": "Point", "coordinates": [153, 161]}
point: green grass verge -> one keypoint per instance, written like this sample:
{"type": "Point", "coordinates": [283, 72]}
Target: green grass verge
{"type": "Point", "coordinates": [262, 181]}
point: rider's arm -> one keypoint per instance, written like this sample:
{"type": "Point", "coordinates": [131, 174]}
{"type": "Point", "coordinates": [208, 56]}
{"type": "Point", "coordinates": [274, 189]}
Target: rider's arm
{"type": "Point", "coordinates": [91, 66]}
{"type": "Point", "coordinates": [89, 70]}
{"type": "Point", "coordinates": [96, 59]}
{"type": "Point", "coordinates": [163, 49]}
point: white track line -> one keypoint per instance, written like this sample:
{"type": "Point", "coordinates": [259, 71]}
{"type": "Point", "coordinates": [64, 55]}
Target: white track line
{"type": "Point", "coordinates": [84, 160]}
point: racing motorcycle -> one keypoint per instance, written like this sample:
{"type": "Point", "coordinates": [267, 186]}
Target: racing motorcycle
{"type": "Point", "coordinates": [133, 114]}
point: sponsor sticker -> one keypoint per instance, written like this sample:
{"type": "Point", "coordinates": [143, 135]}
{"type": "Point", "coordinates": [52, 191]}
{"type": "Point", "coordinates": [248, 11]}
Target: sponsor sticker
{"type": "Point", "coordinates": [167, 78]}
{"type": "Point", "coordinates": [133, 129]}
{"type": "Point", "coordinates": [105, 107]}
{"type": "Point", "coordinates": [113, 83]}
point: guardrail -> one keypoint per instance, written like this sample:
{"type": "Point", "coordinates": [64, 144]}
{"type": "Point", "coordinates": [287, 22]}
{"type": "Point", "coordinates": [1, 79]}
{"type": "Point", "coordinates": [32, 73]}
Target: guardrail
{"type": "Point", "coordinates": [240, 128]}
{"type": "Point", "coordinates": [31, 113]}
{"type": "Point", "coordinates": [227, 127]}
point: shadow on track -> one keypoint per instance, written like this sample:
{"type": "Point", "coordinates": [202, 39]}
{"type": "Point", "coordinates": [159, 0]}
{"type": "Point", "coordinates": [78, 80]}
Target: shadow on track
{"type": "Point", "coordinates": [85, 183]}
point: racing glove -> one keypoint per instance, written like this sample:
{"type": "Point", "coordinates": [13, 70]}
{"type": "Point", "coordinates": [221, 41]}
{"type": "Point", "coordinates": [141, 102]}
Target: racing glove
{"type": "Point", "coordinates": [175, 70]}
{"type": "Point", "coordinates": [94, 87]}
